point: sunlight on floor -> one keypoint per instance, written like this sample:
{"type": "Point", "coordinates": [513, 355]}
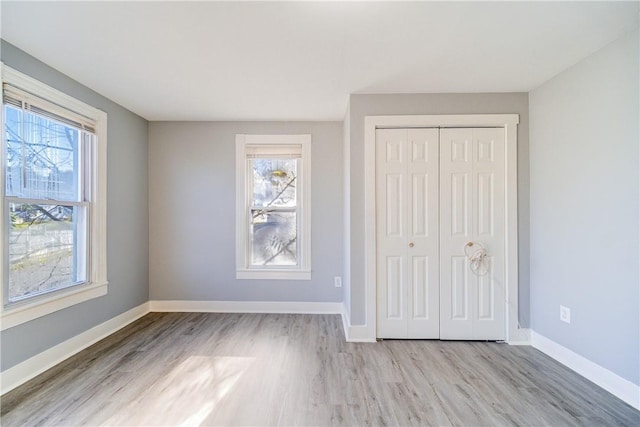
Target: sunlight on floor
{"type": "Point", "coordinates": [187, 395]}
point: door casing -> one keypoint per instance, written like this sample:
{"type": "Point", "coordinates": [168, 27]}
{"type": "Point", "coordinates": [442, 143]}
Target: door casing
{"type": "Point", "coordinates": [510, 124]}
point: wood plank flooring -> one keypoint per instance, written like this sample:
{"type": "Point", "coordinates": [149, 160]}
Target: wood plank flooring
{"type": "Point", "coordinates": [280, 369]}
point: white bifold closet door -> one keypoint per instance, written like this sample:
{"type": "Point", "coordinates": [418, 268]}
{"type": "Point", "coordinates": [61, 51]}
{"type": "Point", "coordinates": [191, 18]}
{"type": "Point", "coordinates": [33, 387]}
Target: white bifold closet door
{"type": "Point", "coordinates": [436, 191]}
{"type": "Point", "coordinates": [407, 233]}
{"type": "Point", "coordinates": [472, 182]}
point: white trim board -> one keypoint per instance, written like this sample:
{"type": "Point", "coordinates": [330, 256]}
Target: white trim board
{"type": "Point", "coordinates": [524, 337]}
{"type": "Point", "coordinates": [621, 388]}
{"type": "Point", "coordinates": [510, 124]}
{"type": "Point", "coordinates": [97, 284]}
{"type": "Point", "coordinates": [277, 144]}
{"type": "Point", "coordinates": [30, 368]}
{"type": "Point", "coordinates": [57, 301]}
{"type": "Point", "coordinates": [288, 307]}
{"type": "Point", "coordinates": [354, 333]}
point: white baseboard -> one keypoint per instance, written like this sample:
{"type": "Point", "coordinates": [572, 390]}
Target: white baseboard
{"type": "Point", "coordinates": [345, 321]}
{"type": "Point", "coordinates": [521, 336]}
{"type": "Point", "coordinates": [247, 307]}
{"type": "Point", "coordinates": [24, 371]}
{"type": "Point", "coordinates": [355, 333]}
{"type": "Point", "coordinates": [360, 333]}
{"type": "Point", "coordinates": [613, 383]}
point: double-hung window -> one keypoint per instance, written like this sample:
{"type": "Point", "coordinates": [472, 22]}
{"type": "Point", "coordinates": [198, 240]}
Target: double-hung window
{"type": "Point", "coordinates": [272, 212]}
{"type": "Point", "coordinates": [53, 206]}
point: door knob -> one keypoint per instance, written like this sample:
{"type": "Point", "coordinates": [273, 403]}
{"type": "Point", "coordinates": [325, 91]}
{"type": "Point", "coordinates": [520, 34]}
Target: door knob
{"type": "Point", "coordinates": [411, 245]}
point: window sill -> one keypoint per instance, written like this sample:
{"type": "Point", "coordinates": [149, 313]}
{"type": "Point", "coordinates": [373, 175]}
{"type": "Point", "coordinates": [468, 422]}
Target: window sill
{"type": "Point", "coordinates": [23, 313]}
{"type": "Point", "coordinates": [274, 274]}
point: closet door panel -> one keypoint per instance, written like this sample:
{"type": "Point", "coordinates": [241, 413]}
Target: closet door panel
{"type": "Point", "coordinates": [391, 233]}
{"type": "Point", "coordinates": [407, 233]}
{"type": "Point", "coordinates": [422, 218]}
{"type": "Point", "coordinates": [472, 212]}
{"type": "Point", "coordinates": [489, 230]}
{"type": "Point", "coordinates": [456, 224]}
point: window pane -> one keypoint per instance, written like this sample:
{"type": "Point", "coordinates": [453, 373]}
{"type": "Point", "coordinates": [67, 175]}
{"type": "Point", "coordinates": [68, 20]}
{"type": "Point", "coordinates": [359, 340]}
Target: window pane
{"type": "Point", "coordinates": [42, 157]}
{"type": "Point", "coordinates": [43, 248]}
{"type": "Point", "coordinates": [273, 238]}
{"type": "Point", "coordinates": [274, 182]}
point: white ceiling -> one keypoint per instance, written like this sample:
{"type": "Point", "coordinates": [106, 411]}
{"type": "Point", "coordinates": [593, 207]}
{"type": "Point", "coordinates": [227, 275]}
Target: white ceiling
{"type": "Point", "coordinates": [300, 61]}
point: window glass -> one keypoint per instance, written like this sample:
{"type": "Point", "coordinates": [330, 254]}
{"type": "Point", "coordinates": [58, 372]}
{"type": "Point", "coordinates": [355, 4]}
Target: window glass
{"type": "Point", "coordinates": [274, 182]}
{"type": "Point", "coordinates": [273, 213]}
{"type": "Point", "coordinates": [47, 214]}
{"type": "Point", "coordinates": [273, 237]}
{"type": "Point", "coordinates": [42, 157]}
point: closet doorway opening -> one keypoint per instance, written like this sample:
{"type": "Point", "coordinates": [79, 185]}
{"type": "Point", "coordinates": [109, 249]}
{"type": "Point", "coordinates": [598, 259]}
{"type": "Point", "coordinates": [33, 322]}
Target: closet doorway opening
{"type": "Point", "coordinates": [442, 193]}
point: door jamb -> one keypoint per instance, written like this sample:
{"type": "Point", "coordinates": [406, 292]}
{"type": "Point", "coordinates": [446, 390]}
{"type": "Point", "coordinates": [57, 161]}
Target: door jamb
{"type": "Point", "coordinates": [509, 122]}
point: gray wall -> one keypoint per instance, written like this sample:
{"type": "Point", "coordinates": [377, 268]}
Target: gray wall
{"type": "Point", "coordinates": [584, 208]}
{"type": "Point", "coordinates": [192, 213]}
{"type": "Point", "coordinates": [396, 104]}
{"type": "Point", "coordinates": [127, 232]}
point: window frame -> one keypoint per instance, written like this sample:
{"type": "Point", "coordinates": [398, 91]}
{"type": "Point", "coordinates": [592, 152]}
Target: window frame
{"type": "Point", "coordinates": [96, 285]}
{"type": "Point", "coordinates": [244, 189]}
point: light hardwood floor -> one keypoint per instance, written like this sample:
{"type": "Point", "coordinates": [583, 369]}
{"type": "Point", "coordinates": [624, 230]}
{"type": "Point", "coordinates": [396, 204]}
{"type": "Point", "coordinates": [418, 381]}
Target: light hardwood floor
{"type": "Point", "coordinates": [278, 369]}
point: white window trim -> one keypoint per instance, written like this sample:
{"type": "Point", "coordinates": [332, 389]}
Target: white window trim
{"type": "Point", "coordinates": [98, 284]}
{"type": "Point", "coordinates": [303, 271]}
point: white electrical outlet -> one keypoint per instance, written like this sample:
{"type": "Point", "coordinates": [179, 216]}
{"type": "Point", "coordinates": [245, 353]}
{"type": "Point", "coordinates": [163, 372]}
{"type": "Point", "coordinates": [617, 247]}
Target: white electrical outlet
{"type": "Point", "coordinates": [337, 281]}
{"type": "Point", "coordinates": [565, 314]}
